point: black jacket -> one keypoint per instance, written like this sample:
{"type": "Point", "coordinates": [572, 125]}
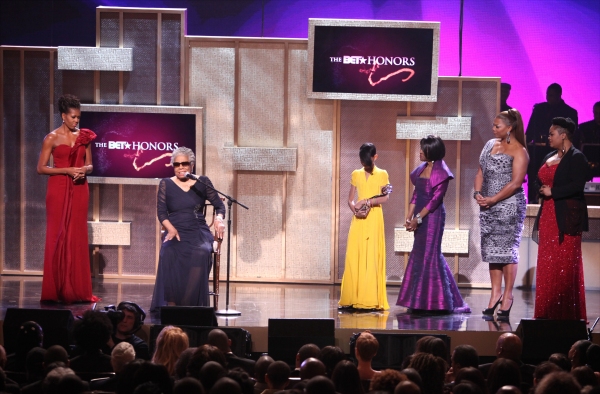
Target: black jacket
{"type": "Point", "coordinates": [567, 193]}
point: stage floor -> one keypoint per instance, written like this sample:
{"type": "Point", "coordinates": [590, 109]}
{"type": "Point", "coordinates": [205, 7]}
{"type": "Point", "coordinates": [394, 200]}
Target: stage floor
{"type": "Point", "coordinates": [258, 302]}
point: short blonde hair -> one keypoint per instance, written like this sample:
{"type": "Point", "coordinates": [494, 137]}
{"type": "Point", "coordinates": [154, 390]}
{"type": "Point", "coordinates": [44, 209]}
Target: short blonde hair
{"type": "Point", "coordinates": [122, 354]}
{"type": "Point", "coordinates": [170, 343]}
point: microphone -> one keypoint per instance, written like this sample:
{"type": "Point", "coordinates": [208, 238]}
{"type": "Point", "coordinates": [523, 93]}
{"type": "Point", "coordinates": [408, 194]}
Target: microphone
{"type": "Point", "coordinates": [191, 176]}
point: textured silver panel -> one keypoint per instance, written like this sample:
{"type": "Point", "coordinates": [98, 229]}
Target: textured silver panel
{"type": "Point", "coordinates": [109, 233]}
{"type": "Point", "coordinates": [212, 86]}
{"type": "Point", "coordinates": [259, 244]}
{"type": "Point", "coordinates": [453, 241]}
{"type": "Point", "coordinates": [75, 82]}
{"type": "Point", "coordinates": [373, 122]}
{"type": "Point", "coordinates": [262, 159]}
{"type": "Point", "coordinates": [446, 104]}
{"type": "Point", "coordinates": [307, 119]}
{"type": "Point", "coordinates": [261, 95]}
{"type": "Point", "coordinates": [374, 23]}
{"type": "Point", "coordinates": [109, 87]}
{"type": "Point", "coordinates": [140, 32]}
{"type": "Point", "coordinates": [170, 59]}
{"type": "Point", "coordinates": [94, 58]}
{"type": "Point", "coordinates": [449, 129]}
{"type": "Point", "coordinates": [139, 208]}
{"type": "Point", "coordinates": [36, 98]}
{"type": "Point", "coordinates": [108, 257]}
{"type": "Point", "coordinates": [109, 29]}
{"type": "Point", "coordinates": [11, 158]}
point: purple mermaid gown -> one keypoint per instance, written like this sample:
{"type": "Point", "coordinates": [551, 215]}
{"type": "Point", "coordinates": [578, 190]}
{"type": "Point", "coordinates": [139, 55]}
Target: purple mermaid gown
{"type": "Point", "coordinates": [428, 282]}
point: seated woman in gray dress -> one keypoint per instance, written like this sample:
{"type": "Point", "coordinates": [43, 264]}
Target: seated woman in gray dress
{"type": "Point", "coordinates": [185, 255]}
{"type": "Point", "coordinates": [499, 193]}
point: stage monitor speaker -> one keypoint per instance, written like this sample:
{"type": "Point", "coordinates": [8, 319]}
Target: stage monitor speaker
{"type": "Point", "coordinates": [541, 338]}
{"type": "Point", "coordinates": [286, 336]}
{"type": "Point", "coordinates": [57, 325]}
{"type": "Point", "coordinates": [241, 340]}
{"type": "Point", "coordinates": [394, 348]}
{"type": "Point", "coordinates": [188, 316]}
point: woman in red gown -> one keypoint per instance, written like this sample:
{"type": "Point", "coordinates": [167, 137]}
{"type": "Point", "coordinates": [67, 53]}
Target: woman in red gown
{"type": "Point", "coordinates": [66, 259]}
{"type": "Point", "coordinates": [560, 292]}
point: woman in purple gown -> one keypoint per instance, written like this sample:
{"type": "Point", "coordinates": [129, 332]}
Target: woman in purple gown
{"type": "Point", "coordinates": [428, 283]}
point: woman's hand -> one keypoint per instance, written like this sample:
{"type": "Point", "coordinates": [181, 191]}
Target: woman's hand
{"type": "Point", "coordinates": [411, 224]}
{"type": "Point", "coordinates": [485, 202]}
{"type": "Point", "coordinates": [545, 190]}
{"type": "Point", "coordinates": [219, 227]}
{"type": "Point", "coordinates": [359, 204]}
{"type": "Point", "coordinates": [172, 233]}
{"type": "Point", "coordinates": [78, 173]}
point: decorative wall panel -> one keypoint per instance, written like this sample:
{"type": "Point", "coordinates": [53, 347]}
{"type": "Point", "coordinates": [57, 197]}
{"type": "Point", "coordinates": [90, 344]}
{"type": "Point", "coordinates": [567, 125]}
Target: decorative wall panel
{"type": "Point", "coordinates": [259, 238]}
{"type": "Point", "coordinates": [447, 128]}
{"type": "Point", "coordinates": [262, 159]}
{"type": "Point", "coordinates": [140, 33]}
{"type": "Point", "coordinates": [170, 59]}
{"type": "Point", "coordinates": [109, 29]}
{"type": "Point", "coordinates": [109, 233]}
{"type": "Point", "coordinates": [93, 58]}
{"type": "Point", "coordinates": [453, 241]}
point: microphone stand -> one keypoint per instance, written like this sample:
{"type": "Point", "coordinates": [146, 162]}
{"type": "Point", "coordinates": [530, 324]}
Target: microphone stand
{"type": "Point", "coordinates": [230, 200]}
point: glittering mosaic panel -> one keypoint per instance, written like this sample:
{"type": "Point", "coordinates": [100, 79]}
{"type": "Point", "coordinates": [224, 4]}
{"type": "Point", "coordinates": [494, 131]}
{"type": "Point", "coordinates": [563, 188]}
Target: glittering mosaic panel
{"type": "Point", "coordinates": [259, 244]}
{"type": "Point", "coordinates": [375, 122]}
{"type": "Point", "coordinates": [76, 82]}
{"type": "Point", "coordinates": [109, 233]}
{"type": "Point", "coordinates": [262, 159]}
{"type": "Point", "coordinates": [479, 102]}
{"type": "Point", "coordinates": [447, 128]}
{"type": "Point", "coordinates": [450, 202]}
{"type": "Point", "coordinates": [261, 95]}
{"type": "Point", "coordinates": [140, 33]}
{"type": "Point", "coordinates": [212, 86]}
{"type": "Point", "coordinates": [94, 58]}
{"type": "Point", "coordinates": [139, 208]}
{"type": "Point", "coordinates": [446, 105]}
{"type": "Point", "coordinates": [170, 59]}
{"type": "Point", "coordinates": [109, 29]}
{"type": "Point", "coordinates": [307, 219]}
{"type": "Point", "coordinates": [36, 99]}
{"type": "Point", "coordinates": [109, 87]}
{"type": "Point", "coordinates": [11, 158]}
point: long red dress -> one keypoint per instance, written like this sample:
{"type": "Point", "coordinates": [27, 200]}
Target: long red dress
{"type": "Point", "coordinates": [67, 275]}
{"type": "Point", "coordinates": [559, 289]}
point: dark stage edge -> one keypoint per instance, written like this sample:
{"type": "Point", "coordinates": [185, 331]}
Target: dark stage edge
{"type": "Point", "coordinates": [258, 302]}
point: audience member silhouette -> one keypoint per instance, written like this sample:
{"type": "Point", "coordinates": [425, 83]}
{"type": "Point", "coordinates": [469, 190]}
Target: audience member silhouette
{"type": "Point", "coordinates": [170, 343]}
{"type": "Point", "coordinates": [277, 377]}
{"type": "Point", "coordinates": [504, 93]}
{"type": "Point", "coordinates": [91, 334]}
{"type": "Point", "coordinates": [589, 132]}
{"type": "Point", "coordinates": [30, 335]}
{"type": "Point", "coordinates": [509, 346]}
{"type": "Point", "coordinates": [432, 370]}
{"type": "Point", "coordinates": [578, 353]}
{"type": "Point", "coordinates": [503, 372]}
{"type": "Point", "coordinates": [182, 363]}
{"type": "Point", "coordinates": [331, 356]}
{"type": "Point", "coordinates": [346, 379]}
{"type": "Point", "coordinates": [561, 360]}
{"type": "Point", "coordinates": [260, 370]}
{"type": "Point", "coordinates": [387, 380]}
{"type": "Point", "coordinates": [320, 385]}
{"type": "Point", "coordinates": [558, 383]}
{"type": "Point", "coordinates": [210, 372]}
{"type": "Point", "coordinates": [312, 367]}
{"type": "Point", "coordinates": [306, 351]}
{"type": "Point", "coordinates": [219, 339]}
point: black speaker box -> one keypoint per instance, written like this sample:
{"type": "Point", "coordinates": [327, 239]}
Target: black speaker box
{"type": "Point", "coordinates": [188, 316]}
{"type": "Point", "coordinates": [57, 325]}
{"type": "Point", "coordinates": [241, 340]}
{"type": "Point", "coordinates": [541, 338]}
{"type": "Point", "coordinates": [286, 336]}
{"type": "Point", "coordinates": [394, 348]}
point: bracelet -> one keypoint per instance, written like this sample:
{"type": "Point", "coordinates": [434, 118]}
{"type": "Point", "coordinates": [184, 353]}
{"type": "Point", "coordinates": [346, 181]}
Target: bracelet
{"type": "Point", "coordinates": [419, 219]}
{"type": "Point", "coordinates": [219, 217]}
{"type": "Point", "coordinates": [476, 192]}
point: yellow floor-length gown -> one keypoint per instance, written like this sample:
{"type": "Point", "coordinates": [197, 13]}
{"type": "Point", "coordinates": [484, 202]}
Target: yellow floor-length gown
{"type": "Point", "coordinates": [363, 283]}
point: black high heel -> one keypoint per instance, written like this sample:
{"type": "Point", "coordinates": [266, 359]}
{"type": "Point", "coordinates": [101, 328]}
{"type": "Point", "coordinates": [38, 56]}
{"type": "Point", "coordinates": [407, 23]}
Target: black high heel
{"type": "Point", "coordinates": [490, 311]}
{"type": "Point", "coordinates": [505, 314]}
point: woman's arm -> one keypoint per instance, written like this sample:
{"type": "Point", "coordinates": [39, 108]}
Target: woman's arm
{"type": "Point", "coordinates": [163, 212]}
{"type": "Point", "coordinates": [577, 177]}
{"type": "Point", "coordinates": [353, 206]}
{"type": "Point", "coordinates": [519, 169]}
{"type": "Point", "coordinates": [42, 166]}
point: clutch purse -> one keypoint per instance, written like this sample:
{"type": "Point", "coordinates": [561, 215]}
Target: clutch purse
{"type": "Point", "coordinates": [363, 212]}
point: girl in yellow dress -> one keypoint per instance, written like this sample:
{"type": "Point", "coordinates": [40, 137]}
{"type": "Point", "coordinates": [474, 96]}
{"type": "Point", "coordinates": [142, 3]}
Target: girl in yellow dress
{"type": "Point", "coordinates": [363, 283]}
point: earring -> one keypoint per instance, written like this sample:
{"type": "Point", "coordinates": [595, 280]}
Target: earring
{"type": "Point", "coordinates": [563, 147]}
{"type": "Point", "coordinates": [508, 138]}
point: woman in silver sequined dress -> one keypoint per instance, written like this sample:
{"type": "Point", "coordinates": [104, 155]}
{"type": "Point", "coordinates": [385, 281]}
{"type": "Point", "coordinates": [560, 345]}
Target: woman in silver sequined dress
{"type": "Point", "coordinates": [499, 193]}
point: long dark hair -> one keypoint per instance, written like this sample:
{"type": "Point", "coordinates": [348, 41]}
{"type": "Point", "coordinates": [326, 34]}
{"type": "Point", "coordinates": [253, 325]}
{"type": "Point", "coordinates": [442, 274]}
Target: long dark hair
{"type": "Point", "coordinates": [366, 153]}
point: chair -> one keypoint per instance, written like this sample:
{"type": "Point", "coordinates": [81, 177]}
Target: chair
{"type": "Point", "coordinates": [216, 252]}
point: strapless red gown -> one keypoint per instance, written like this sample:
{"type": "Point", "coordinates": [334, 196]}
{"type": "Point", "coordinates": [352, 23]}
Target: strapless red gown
{"type": "Point", "coordinates": [559, 289]}
{"type": "Point", "coordinates": [67, 275]}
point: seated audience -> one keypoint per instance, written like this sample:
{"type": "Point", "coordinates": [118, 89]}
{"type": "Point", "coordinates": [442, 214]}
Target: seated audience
{"type": "Point", "coordinates": [558, 383]}
{"type": "Point", "coordinates": [432, 345]}
{"type": "Point", "coordinates": [277, 377]}
{"type": "Point", "coordinates": [346, 379]}
{"type": "Point", "coordinates": [387, 380]}
{"type": "Point", "coordinates": [542, 370]}
{"type": "Point", "coordinates": [29, 336]}
{"type": "Point", "coordinates": [210, 373]}
{"type": "Point", "coordinates": [503, 372]}
{"type": "Point", "coordinates": [364, 351]}
{"type": "Point", "coordinates": [413, 376]}
{"type": "Point", "coordinates": [331, 356]}
{"type": "Point", "coordinates": [243, 379]}
{"type": "Point", "coordinates": [219, 339]}
{"type": "Point", "coordinates": [592, 356]}
{"type": "Point", "coordinates": [578, 353]}
{"type": "Point", "coordinates": [154, 373]}
{"type": "Point", "coordinates": [585, 376]}
{"type": "Point", "coordinates": [561, 360]}
{"type": "Point", "coordinates": [182, 362]}
{"type": "Point", "coordinates": [260, 370]}
{"type": "Point", "coordinates": [473, 375]}
{"type": "Point", "coordinates": [188, 386]}
{"type": "Point", "coordinates": [463, 356]}
{"type": "Point", "coordinates": [91, 333]}
{"type": "Point", "coordinates": [467, 387]}
{"type": "Point", "coordinates": [311, 367]}
{"type": "Point", "coordinates": [508, 390]}
{"type": "Point", "coordinates": [432, 370]}
{"type": "Point", "coordinates": [201, 356]}
{"type": "Point", "coordinates": [170, 343]}
{"type": "Point", "coordinates": [407, 387]}
{"type": "Point", "coordinates": [132, 322]}
{"type": "Point", "coordinates": [306, 351]}
{"type": "Point", "coordinates": [226, 385]}
{"type": "Point", "coordinates": [509, 346]}
{"type": "Point", "coordinates": [122, 354]}
{"type": "Point", "coordinates": [320, 385]}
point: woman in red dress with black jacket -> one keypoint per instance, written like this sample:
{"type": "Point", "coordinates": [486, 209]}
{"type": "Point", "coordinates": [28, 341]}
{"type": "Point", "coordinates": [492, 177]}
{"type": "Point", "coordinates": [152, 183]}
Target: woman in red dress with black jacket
{"type": "Point", "coordinates": [560, 291]}
{"type": "Point", "coordinates": [67, 275]}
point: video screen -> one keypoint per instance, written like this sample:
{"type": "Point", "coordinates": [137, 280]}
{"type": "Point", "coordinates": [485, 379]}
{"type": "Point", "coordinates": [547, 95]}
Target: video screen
{"type": "Point", "coordinates": [137, 145]}
{"type": "Point", "coordinates": [396, 62]}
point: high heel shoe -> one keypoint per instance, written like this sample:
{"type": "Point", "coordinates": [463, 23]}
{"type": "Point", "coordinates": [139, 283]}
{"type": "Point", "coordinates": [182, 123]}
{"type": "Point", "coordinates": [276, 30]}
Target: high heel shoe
{"type": "Point", "coordinates": [505, 314]}
{"type": "Point", "coordinates": [490, 311]}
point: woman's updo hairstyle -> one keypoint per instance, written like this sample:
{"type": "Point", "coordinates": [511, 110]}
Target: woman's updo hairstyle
{"type": "Point", "coordinates": [512, 118]}
{"type": "Point", "coordinates": [433, 147]}
{"type": "Point", "coordinates": [564, 126]}
{"type": "Point", "coordinates": [183, 151]}
{"type": "Point", "coordinates": [67, 102]}
{"type": "Point", "coordinates": [366, 153]}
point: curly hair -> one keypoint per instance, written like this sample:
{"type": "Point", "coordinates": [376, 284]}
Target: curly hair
{"type": "Point", "coordinates": [387, 380]}
{"type": "Point", "coordinates": [67, 102]}
{"type": "Point", "coordinates": [183, 151]}
{"type": "Point", "coordinates": [92, 331]}
{"type": "Point", "coordinates": [170, 343]}
{"type": "Point", "coordinates": [201, 356]}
